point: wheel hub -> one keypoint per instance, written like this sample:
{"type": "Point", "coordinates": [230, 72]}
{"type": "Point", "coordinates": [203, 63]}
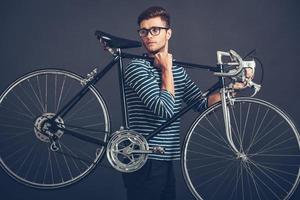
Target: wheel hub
{"type": "Point", "coordinates": [42, 128]}
{"type": "Point", "coordinates": [242, 156]}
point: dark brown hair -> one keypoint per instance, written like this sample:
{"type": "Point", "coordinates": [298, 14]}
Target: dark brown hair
{"type": "Point", "coordinates": [155, 11]}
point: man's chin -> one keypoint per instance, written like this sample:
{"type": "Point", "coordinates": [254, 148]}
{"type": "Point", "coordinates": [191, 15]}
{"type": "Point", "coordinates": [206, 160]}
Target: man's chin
{"type": "Point", "coordinates": [152, 51]}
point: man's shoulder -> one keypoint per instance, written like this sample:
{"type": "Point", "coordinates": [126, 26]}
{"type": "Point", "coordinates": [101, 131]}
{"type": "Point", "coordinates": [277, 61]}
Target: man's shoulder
{"type": "Point", "coordinates": [138, 65]}
{"type": "Point", "coordinates": [179, 69]}
{"type": "Point", "coordinates": [140, 62]}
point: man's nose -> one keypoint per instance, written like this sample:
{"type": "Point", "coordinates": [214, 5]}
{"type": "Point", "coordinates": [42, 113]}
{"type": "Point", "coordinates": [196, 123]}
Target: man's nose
{"type": "Point", "coordinates": [149, 35]}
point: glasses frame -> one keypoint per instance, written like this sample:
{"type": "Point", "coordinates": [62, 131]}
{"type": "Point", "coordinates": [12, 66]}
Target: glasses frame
{"type": "Point", "coordinates": [149, 30]}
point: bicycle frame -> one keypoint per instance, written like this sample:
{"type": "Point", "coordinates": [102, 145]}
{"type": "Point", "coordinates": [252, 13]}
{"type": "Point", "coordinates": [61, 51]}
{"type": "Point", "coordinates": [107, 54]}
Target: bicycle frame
{"type": "Point", "coordinates": [118, 58]}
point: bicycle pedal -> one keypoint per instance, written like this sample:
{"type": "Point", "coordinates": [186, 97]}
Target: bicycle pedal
{"type": "Point", "coordinates": [157, 150]}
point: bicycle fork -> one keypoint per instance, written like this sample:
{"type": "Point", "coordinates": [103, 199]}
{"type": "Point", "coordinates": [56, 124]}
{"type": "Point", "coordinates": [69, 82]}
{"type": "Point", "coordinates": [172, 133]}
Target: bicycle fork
{"type": "Point", "coordinates": [227, 123]}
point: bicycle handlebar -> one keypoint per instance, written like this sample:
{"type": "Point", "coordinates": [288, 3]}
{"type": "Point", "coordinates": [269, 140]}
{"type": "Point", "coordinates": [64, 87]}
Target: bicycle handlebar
{"type": "Point", "coordinates": [237, 60]}
{"type": "Point", "coordinates": [236, 74]}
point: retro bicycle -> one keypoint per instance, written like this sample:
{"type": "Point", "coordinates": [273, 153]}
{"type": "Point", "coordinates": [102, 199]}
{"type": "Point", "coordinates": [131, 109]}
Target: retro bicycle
{"type": "Point", "coordinates": [55, 128]}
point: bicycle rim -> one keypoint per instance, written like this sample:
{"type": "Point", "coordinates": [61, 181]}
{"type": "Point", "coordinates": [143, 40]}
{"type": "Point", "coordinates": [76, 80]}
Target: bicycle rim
{"type": "Point", "coordinates": [25, 153]}
{"type": "Point", "coordinates": [267, 166]}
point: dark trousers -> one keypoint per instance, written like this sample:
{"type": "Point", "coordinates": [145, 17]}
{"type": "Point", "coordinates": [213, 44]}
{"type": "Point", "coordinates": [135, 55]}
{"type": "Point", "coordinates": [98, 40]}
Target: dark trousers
{"type": "Point", "coordinates": [154, 181]}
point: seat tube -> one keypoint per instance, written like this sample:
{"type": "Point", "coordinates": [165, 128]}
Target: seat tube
{"type": "Point", "coordinates": [125, 122]}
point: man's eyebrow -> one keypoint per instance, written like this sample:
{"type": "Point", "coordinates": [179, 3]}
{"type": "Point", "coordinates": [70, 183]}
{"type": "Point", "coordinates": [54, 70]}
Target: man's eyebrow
{"type": "Point", "coordinates": [150, 27]}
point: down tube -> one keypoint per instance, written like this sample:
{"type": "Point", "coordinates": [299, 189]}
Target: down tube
{"type": "Point", "coordinates": [176, 116]}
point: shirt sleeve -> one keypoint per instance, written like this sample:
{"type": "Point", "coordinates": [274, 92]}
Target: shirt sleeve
{"type": "Point", "coordinates": [160, 102]}
{"type": "Point", "coordinates": [192, 92]}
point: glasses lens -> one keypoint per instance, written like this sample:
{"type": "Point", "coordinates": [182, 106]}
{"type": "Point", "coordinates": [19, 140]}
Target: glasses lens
{"type": "Point", "coordinates": [143, 32]}
{"type": "Point", "coordinates": [155, 30]}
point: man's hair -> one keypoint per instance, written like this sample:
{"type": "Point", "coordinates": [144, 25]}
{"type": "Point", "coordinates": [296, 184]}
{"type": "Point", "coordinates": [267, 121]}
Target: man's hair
{"type": "Point", "coordinates": [155, 11]}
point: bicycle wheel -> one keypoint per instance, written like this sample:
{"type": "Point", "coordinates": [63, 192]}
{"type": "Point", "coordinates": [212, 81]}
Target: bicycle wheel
{"type": "Point", "coordinates": [25, 152]}
{"type": "Point", "coordinates": [267, 166]}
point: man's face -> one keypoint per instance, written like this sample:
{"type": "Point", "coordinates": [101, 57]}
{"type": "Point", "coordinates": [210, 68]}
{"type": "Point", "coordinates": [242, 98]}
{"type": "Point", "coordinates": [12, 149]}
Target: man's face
{"type": "Point", "coordinates": [155, 43]}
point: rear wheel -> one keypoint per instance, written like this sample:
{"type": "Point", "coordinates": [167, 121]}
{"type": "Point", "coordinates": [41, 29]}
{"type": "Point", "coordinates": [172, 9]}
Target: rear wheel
{"type": "Point", "coordinates": [27, 153]}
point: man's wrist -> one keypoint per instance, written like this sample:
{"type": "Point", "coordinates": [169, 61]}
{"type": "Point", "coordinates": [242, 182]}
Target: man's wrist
{"type": "Point", "coordinates": [166, 69]}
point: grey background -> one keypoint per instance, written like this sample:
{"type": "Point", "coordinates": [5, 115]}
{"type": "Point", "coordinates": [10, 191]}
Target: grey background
{"type": "Point", "coordinates": [60, 33]}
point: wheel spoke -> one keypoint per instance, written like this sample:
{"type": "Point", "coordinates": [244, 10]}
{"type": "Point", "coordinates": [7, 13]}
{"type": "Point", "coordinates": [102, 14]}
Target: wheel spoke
{"type": "Point", "coordinates": [61, 93]}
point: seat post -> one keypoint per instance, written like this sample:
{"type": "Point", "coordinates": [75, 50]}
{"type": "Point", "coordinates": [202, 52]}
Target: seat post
{"type": "Point", "coordinates": [125, 122]}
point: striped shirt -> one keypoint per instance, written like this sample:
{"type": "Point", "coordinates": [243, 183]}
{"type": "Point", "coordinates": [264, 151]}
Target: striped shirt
{"type": "Point", "coordinates": [149, 106]}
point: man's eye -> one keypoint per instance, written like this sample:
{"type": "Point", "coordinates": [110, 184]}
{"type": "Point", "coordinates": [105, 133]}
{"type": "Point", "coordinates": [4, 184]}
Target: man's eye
{"type": "Point", "coordinates": [143, 31]}
{"type": "Point", "coordinates": [155, 29]}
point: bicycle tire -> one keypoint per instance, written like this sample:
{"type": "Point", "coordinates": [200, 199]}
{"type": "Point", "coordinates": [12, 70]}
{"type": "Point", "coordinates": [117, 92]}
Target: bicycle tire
{"type": "Point", "coordinates": [25, 153]}
{"type": "Point", "coordinates": [268, 139]}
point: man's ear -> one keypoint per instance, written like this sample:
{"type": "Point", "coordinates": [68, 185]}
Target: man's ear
{"type": "Point", "coordinates": [169, 33]}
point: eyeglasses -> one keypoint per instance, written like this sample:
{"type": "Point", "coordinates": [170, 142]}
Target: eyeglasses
{"type": "Point", "coordinates": [155, 30]}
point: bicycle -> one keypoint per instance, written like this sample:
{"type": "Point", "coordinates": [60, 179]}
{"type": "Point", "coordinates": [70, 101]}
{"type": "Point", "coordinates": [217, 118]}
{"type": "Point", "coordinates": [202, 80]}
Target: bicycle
{"type": "Point", "coordinates": [57, 121]}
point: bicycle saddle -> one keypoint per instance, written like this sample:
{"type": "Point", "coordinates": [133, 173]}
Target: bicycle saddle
{"type": "Point", "coordinates": [116, 42]}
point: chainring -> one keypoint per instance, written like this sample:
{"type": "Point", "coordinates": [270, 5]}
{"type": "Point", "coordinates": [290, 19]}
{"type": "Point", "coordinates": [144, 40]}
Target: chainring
{"type": "Point", "coordinates": [121, 147]}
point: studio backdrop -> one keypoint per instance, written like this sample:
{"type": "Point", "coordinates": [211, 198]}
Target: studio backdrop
{"type": "Point", "coordinates": [39, 34]}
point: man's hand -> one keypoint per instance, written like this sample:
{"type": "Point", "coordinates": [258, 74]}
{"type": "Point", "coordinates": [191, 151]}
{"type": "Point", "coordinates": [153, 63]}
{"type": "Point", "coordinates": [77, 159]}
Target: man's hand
{"type": "Point", "coordinates": [248, 74]}
{"type": "Point", "coordinates": [164, 60]}
{"type": "Point", "coordinates": [216, 96]}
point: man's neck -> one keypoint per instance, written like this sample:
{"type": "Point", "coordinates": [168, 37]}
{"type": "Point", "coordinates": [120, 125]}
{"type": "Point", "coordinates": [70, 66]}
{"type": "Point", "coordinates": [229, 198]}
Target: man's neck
{"type": "Point", "coordinates": [151, 54]}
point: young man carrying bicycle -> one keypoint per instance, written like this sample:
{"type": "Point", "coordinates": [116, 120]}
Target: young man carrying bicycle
{"type": "Point", "coordinates": [155, 92]}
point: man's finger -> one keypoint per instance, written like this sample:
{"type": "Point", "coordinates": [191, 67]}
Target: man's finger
{"type": "Point", "coordinates": [156, 60]}
{"type": "Point", "coordinates": [249, 73]}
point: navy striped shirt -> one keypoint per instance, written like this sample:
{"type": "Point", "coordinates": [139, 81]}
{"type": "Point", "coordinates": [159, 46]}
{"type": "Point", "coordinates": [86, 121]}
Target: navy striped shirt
{"type": "Point", "coordinates": [149, 106]}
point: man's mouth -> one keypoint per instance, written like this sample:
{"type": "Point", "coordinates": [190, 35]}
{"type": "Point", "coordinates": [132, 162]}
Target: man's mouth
{"type": "Point", "coordinates": [150, 43]}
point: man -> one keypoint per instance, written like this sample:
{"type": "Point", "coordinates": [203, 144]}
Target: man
{"type": "Point", "coordinates": [155, 92]}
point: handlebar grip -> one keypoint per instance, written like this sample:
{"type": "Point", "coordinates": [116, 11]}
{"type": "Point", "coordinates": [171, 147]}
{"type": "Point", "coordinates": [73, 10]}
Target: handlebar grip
{"type": "Point", "coordinates": [220, 54]}
{"type": "Point", "coordinates": [235, 55]}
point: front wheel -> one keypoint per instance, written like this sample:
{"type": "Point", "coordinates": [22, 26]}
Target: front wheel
{"type": "Point", "coordinates": [266, 166]}
{"type": "Point", "coordinates": [28, 154]}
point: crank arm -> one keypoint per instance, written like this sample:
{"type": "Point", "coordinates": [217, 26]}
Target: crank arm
{"type": "Point", "coordinates": [154, 150]}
